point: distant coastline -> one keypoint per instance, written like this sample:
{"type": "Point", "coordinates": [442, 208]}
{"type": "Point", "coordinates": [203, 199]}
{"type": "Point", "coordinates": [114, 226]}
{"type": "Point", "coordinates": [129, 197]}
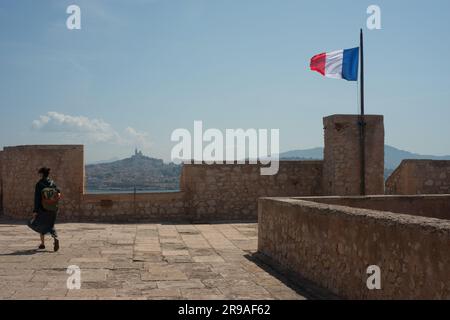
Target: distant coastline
{"type": "Point", "coordinates": [144, 173]}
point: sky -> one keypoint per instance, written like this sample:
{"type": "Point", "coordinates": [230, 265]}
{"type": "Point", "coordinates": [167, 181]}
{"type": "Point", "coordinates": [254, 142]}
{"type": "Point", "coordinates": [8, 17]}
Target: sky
{"type": "Point", "coordinates": [139, 69]}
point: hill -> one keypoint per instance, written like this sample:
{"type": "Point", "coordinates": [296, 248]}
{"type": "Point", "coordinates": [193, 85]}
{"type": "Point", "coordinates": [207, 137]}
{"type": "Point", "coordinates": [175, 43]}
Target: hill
{"type": "Point", "coordinates": [142, 172]}
{"type": "Point", "coordinates": [392, 155]}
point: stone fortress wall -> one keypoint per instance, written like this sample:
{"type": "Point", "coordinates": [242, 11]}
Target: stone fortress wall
{"type": "Point", "coordinates": [317, 228]}
{"type": "Point", "coordinates": [207, 192]}
{"type": "Point", "coordinates": [332, 244]}
{"type": "Point", "coordinates": [430, 205]}
{"type": "Point", "coordinates": [342, 164]}
{"type": "Point", "coordinates": [222, 192]}
{"type": "Point", "coordinates": [420, 177]}
{"type": "Point", "coordinates": [332, 240]}
{"type": "Point", "coordinates": [219, 191]}
{"type": "Point", "coordinates": [165, 206]}
{"type": "Point", "coordinates": [216, 192]}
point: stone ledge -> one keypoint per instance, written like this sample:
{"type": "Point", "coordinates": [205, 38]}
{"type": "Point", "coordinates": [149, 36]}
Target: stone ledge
{"type": "Point", "coordinates": [332, 245]}
{"type": "Point", "coordinates": [384, 217]}
{"type": "Point", "coordinates": [44, 146]}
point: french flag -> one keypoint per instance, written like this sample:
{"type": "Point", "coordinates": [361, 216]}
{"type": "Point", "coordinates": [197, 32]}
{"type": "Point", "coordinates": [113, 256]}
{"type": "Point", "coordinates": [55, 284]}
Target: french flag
{"type": "Point", "coordinates": [340, 64]}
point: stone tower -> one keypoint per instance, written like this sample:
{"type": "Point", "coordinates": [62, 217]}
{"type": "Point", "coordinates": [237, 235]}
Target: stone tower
{"type": "Point", "coordinates": [342, 156]}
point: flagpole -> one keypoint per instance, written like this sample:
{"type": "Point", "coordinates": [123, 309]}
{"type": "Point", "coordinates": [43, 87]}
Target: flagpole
{"type": "Point", "coordinates": [362, 123]}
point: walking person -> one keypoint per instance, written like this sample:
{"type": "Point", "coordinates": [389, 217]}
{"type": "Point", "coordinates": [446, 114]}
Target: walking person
{"type": "Point", "coordinates": [46, 198]}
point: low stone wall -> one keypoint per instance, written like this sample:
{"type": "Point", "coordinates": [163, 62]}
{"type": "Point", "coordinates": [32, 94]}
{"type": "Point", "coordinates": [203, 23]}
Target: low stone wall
{"type": "Point", "coordinates": [420, 177]}
{"type": "Point", "coordinates": [167, 206]}
{"type": "Point", "coordinates": [224, 191]}
{"type": "Point", "coordinates": [208, 193]}
{"type": "Point", "coordinates": [333, 246]}
{"type": "Point", "coordinates": [433, 206]}
{"type": "Point", "coordinates": [19, 176]}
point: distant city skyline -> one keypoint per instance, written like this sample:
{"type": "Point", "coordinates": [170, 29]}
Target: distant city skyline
{"type": "Point", "coordinates": [138, 70]}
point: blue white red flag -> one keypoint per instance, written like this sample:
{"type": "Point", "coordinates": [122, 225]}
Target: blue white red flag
{"type": "Point", "coordinates": [340, 64]}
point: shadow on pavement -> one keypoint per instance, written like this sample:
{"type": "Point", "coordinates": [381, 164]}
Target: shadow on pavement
{"type": "Point", "coordinates": [22, 252]}
{"type": "Point", "coordinates": [302, 286]}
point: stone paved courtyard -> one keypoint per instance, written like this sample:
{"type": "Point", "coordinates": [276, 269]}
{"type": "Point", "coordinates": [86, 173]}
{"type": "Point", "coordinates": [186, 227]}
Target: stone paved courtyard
{"type": "Point", "coordinates": [139, 261]}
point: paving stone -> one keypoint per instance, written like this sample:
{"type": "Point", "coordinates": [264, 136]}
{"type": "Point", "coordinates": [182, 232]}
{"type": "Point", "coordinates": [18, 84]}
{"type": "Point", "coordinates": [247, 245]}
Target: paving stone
{"type": "Point", "coordinates": [92, 293]}
{"type": "Point", "coordinates": [39, 293]}
{"type": "Point", "coordinates": [143, 261]}
{"type": "Point", "coordinates": [163, 272]}
{"type": "Point", "coordinates": [175, 253]}
{"type": "Point", "coordinates": [202, 294]}
{"type": "Point", "coordinates": [162, 293]}
{"type": "Point", "coordinates": [178, 259]}
{"type": "Point", "coordinates": [210, 258]}
{"type": "Point", "coordinates": [182, 284]}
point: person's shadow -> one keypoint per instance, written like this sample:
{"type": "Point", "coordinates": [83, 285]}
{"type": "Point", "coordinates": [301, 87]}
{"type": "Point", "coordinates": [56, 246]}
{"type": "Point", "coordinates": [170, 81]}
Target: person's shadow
{"type": "Point", "coordinates": [22, 252]}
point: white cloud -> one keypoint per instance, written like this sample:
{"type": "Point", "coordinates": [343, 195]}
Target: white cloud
{"type": "Point", "coordinates": [90, 130]}
{"type": "Point", "coordinates": [94, 129]}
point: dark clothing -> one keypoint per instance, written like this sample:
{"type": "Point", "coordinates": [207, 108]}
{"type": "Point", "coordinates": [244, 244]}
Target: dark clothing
{"type": "Point", "coordinates": [43, 183]}
{"type": "Point", "coordinates": [44, 223]}
{"type": "Point", "coordinates": [45, 220]}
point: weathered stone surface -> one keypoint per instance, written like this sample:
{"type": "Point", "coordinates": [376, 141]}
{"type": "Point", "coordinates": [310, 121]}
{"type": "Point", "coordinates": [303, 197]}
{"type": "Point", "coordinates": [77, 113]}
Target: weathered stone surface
{"type": "Point", "coordinates": [433, 206]}
{"type": "Point", "coordinates": [18, 171]}
{"type": "Point", "coordinates": [333, 246]}
{"type": "Point", "coordinates": [219, 192]}
{"type": "Point", "coordinates": [342, 155]}
{"type": "Point", "coordinates": [420, 177]}
{"type": "Point", "coordinates": [29, 274]}
{"type": "Point", "coordinates": [230, 192]}
{"type": "Point", "coordinates": [208, 192]}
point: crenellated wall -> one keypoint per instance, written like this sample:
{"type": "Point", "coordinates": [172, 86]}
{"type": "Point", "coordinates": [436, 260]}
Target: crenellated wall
{"type": "Point", "coordinates": [420, 177]}
{"type": "Point", "coordinates": [208, 192]}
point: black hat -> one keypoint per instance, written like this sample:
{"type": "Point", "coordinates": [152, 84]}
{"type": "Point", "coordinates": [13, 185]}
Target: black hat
{"type": "Point", "coordinates": [45, 171]}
